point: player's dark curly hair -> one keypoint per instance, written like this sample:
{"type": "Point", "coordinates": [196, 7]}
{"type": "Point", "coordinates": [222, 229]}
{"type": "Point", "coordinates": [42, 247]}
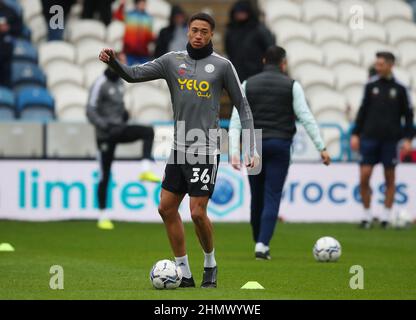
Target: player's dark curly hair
{"type": "Point", "coordinates": [203, 16]}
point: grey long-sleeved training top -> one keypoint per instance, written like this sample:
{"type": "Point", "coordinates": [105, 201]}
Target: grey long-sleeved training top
{"type": "Point", "coordinates": [195, 87]}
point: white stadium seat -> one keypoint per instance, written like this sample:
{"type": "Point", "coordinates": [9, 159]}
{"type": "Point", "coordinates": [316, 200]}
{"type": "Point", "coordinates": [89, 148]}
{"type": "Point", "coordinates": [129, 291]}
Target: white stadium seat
{"type": "Point", "coordinates": [159, 24]}
{"type": "Point", "coordinates": [76, 11]}
{"type": "Point", "coordinates": [56, 50]}
{"type": "Point", "coordinates": [326, 30]}
{"type": "Point", "coordinates": [31, 9]}
{"type": "Point", "coordinates": [413, 98]}
{"type": "Point", "coordinates": [412, 70]}
{"type": "Point", "coordinates": [407, 52]}
{"type": "Point", "coordinates": [340, 53]}
{"type": "Point", "coordinates": [71, 104]}
{"type": "Point", "coordinates": [403, 76]}
{"type": "Point", "coordinates": [290, 30]}
{"type": "Point", "coordinates": [129, 102]}
{"type": "Point", "coordinates": [89, 51]}
{"type": "Point", "coordinates": [145, 95]}
{"type": "Point", "coordinates": [93, 70]}
{"type": "Point", "coordinates": [326, 100]}
{"type": "Point", "coordinates": [115, 33]}
{"type": "Point", "coordinates": [301, 53]}
{"type": "Point", "coordinates": [350, 75]}
{"type": "Point", "coordinates": [21, 139]}
{"type": "Point", "coordinates": [86, 29]}
{"type": "Point", "coordinates": [70, 140]}
{"type": "Point", "coordinates": [159, 8]}
{"type": "Point", "coordinates": [281, 10]}
{"type": "Point", "coordinates": [38, 29]}
{"type": "Point", "coordinates": [64, 73]}
{"type": "Point", "coordinates": [400, 31]}
{"type": "Point", "coordinates": [354, 96]}
{"type": "Point", "coordinates": [351, 9]}
{"type": "Point", "coordinates": [390, 10]}
{"type": "Point", "coordinates": [314, 77]}
{"type": "Point", "coordinates": [370, 31]}
{"type": "Point", "coordinates": [319, 9]}
{"type": "Point", "coordinates": [413, 75]}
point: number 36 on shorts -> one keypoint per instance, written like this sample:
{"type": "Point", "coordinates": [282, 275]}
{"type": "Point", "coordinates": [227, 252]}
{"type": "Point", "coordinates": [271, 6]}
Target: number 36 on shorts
{"type": "Point", "coordinates": [204, 177]}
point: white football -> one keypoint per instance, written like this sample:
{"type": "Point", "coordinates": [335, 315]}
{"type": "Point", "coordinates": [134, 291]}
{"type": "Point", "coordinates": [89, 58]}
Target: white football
{"type": "Point", "coordinates": [401, 220]}
{"type": "Point", "coordinates": [165, 275]}
{"type": "Point", "coordinates": [327, 249]}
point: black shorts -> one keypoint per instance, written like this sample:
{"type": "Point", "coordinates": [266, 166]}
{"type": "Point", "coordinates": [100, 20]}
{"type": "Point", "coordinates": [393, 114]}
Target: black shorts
{"type": "Point", "coordinates": [191, 174]}
{"type": "Point", "coordinates": [377, 151]}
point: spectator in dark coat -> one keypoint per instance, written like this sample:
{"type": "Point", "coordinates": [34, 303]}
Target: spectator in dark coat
{"type": "Point", "coordinates": [102, 7]}
{"type": "Point", "coordinates": [11, 26]}
{"type": "Point", "coordinates": [246, 40]}
{"type": "Point", "coordinates": [173, 37]}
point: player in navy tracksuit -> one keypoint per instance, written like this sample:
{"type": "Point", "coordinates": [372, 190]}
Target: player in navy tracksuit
{"type": "Point", "coordinates": [378, 129]}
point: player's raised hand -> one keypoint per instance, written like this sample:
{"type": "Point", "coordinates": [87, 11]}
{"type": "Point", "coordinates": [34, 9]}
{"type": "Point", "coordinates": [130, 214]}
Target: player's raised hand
{"type": "Point", "coordinates": [326, 159]}
{"type": "Point", "coordinates": [107, 54]}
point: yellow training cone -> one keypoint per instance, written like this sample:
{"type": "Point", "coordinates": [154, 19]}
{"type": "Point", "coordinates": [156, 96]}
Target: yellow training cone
{"type": "Point", "coordinates": [252, 285]}
{"type": "Point", "coordinates": [6, 247]}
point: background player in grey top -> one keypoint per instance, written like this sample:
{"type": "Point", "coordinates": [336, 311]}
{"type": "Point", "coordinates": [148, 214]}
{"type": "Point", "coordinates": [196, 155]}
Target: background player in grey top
{"type": "Point", "coordinates": [107, 112]}
{"type": "Point", "coordinates": [196, 78]}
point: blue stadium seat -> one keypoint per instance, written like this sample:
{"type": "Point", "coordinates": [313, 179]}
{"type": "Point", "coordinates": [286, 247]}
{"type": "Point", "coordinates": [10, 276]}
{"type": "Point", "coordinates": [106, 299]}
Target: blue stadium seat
{"type": "Point", "coordinates": [24, 73]}
{"type": "Point", "coordinates": [26, 33]}
{"type": "Point", "coordinates": [35, 104]}
{"type": "Point", "coordinates": [24, 51]}
{"type": "Point", "coordinates": [7, 104]}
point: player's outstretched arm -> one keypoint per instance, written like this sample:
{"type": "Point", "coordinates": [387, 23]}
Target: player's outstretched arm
{"type": "Point", "coordinates": [138, 73]}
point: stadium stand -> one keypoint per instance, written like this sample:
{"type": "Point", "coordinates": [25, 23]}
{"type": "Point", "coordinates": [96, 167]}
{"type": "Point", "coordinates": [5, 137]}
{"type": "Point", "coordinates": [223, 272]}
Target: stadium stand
{"type": "Point", "coordinates": [329, 53]}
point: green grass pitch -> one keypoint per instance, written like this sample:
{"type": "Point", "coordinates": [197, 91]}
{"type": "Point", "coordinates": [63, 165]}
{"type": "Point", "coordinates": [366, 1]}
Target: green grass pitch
{"type": "Point", "coordinates": [115, 264]}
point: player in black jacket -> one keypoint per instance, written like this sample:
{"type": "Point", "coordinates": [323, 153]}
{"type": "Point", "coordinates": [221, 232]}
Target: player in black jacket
{"type": "Point", "coordinates": [378, 129]}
